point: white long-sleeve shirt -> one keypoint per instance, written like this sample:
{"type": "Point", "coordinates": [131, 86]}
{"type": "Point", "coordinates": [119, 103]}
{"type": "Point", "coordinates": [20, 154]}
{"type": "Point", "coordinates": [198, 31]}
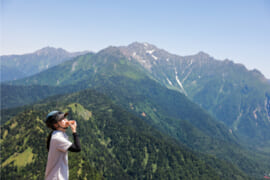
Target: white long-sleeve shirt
{"type": "Point", "coordinates": [57, 164]}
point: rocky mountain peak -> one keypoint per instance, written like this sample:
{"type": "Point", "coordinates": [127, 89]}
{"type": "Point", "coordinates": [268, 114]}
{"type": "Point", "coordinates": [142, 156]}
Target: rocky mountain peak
{"type": "Point", "coordinates": [141, 46]}
{"type": "Point", "coordinates": [146, 54]}
{"type": "Point", "coordinates": [110, 51]}
{"type": "Point", "coordinates": [50, 51]}
{"type": "Point", "coordinates": [203, 55]}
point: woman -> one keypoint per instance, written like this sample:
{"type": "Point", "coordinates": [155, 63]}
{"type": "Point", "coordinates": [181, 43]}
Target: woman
{"type": "Point", "coordinates": [59, 145]}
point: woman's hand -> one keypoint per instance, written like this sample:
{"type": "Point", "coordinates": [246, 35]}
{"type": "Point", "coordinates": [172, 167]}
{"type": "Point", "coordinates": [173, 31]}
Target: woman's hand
{"type": "Point", "coordinates": [73, 127]}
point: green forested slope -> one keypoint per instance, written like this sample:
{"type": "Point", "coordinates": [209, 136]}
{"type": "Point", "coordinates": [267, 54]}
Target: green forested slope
{"type": "Point", "coordinates": [175, 115]}
{"type": "Point", "coordinates": [115, 143]}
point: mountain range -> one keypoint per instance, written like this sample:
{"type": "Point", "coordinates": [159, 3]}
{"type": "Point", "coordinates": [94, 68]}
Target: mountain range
{"type": "Point", "coordinates": [232, 94]}
{"type": "Point", "coordinates": [19, 66]}
{"type": "Point", "coordinates": [237, 97]}
{"type": "Point", "coordinates": [158, 88]}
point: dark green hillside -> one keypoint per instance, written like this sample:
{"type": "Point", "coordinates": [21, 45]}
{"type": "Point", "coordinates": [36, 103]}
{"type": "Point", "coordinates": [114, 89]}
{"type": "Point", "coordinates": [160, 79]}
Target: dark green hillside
{"type": "Point", "coordinates": [10, 73]}
{"type": "Point", "coordinates": [116, 145]}
{"type": "Point", "coordinates": [156, 110]}
{"type": "Point", "coordinates": [14, 96]}
{"type": "Point", "coordinates": [19, 95]}
{"type": "Point", "coordinates": [175, 115]}
{"type": "Point", "coordinates": [238, 98]}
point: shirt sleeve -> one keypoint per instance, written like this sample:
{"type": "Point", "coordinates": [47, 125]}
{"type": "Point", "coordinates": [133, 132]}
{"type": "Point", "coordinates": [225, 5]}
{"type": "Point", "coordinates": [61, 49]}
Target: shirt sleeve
{"type": "Point", "coordinates": [62, 144]}
{"type": "Point", "coordinates": [76, 146]}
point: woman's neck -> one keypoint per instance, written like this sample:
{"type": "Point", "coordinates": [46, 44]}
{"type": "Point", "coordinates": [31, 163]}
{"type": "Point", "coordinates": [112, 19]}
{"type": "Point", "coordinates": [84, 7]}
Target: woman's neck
{"type": "Point", "coordinates": [61, 129]}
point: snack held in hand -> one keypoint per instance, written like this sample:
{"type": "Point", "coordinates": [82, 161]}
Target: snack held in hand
{"type": "Point", "coordinates": [71, 122]}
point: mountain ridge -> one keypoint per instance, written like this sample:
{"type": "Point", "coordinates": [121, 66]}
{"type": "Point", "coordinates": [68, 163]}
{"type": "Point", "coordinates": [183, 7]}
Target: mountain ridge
{"type": "Point", "coordinates": [201, 54]}
{"type": "Point", "coordinates": [15, 67]}
{"type": "Point", "coordinates": [211, 83]}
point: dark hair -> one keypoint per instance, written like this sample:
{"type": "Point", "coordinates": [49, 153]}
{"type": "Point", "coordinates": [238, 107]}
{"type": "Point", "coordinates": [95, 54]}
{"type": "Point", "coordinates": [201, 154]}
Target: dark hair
{"type": "Point", "coordinates": [49, 140]}
{"type": "Point", "coordinates": [51, 120]}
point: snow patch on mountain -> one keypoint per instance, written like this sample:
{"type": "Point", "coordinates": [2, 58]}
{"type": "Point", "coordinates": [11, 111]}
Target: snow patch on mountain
{"type": "Point", "coordinates": [169, 82]}
{"type": "Point", "coordinates": [150, 51]}
{"type": "Point", "coordinates": [74, 66]}
{"type": "Point", "coordinates": [267, 107]}
{"type": "Point", "coordinates": [237, 121]}
{"type": "Point", "coordinates": [191, 62]}
{"type": "Point", "coordinates": [154, 57]}
{"type": "Point", "coordinates": [255, 114]}
{"type": "Point", "coordinates": [187, 75]}
{"type": "Point", "coordinates": [145, 44]}
{"type": "Point", "coordinates": [179, 82]}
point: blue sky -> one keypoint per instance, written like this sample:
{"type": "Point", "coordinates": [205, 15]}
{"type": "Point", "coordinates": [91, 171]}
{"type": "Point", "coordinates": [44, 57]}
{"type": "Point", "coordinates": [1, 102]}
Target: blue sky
{"type": "Point", "coordinates": [238, 30]}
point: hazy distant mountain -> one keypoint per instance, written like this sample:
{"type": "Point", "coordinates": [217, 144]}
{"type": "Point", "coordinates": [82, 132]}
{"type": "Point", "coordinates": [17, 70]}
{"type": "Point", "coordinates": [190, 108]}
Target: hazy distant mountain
{"type": "Point", "coordinates": [19, 66]}
{"type": "Point", "coordinates": [10, 73]}
{"type": "Point", "coordinates": [234, 95]}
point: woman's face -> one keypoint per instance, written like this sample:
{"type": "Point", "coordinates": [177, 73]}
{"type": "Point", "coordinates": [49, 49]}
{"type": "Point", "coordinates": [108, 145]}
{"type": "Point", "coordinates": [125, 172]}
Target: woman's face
{"type": "Point", "coordinates": [63, 123]}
